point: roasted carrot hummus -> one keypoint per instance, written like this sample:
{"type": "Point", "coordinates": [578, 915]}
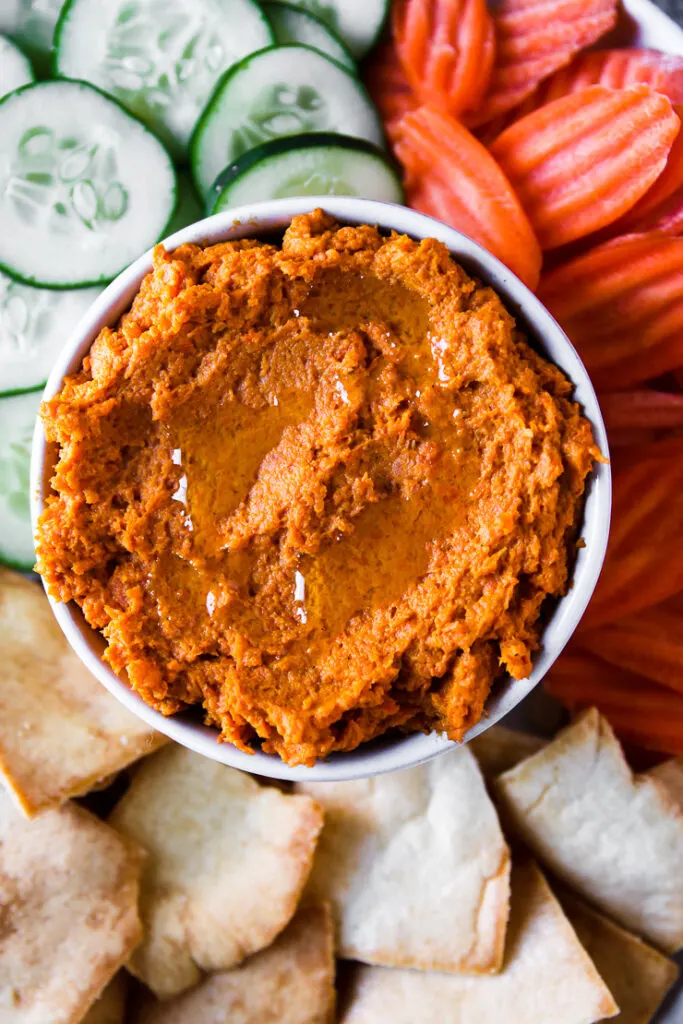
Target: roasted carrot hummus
{"type": "Point", "coordinates": [321, 489]}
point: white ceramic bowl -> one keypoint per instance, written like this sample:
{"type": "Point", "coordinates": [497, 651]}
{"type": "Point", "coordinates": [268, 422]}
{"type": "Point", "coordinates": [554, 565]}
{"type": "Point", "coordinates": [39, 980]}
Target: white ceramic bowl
{"type": "Point", "coordinates": [381, 755]}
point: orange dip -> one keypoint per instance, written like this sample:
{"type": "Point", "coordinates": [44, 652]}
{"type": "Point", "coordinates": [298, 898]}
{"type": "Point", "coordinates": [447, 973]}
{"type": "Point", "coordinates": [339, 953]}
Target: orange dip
{"type": "Point", "coordinates": [321, 489]}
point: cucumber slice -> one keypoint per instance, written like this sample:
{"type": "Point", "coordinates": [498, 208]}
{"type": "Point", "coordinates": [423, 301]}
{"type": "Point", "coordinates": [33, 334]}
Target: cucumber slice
{"type": "Point", "coordinates": [294, 25]}
{"type": "Point", "coordinates": [87, 187]}
{"type": "Point", "coordinates": [15, 68]}
{"type": "Point", "coordinates": [308, 165]}
{"type": "Point", "coordinates": [34, 324]}
{"type": "Point", "coordinates": [160, 58]}
{"type": "Point", "coordinates": [31, 23]}
{"type": "Point", "coordinates": [285, 90]}
{"type": "Point", "coordinates": [17, 419]}
{"type": "Point", "coordinates": [357, 22]}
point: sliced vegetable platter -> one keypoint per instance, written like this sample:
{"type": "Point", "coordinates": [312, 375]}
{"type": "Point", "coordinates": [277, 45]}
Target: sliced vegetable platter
{"type": "Point", "coordinates": [146, 115]}
{"type": "Point", "coordinates": [122, 123]}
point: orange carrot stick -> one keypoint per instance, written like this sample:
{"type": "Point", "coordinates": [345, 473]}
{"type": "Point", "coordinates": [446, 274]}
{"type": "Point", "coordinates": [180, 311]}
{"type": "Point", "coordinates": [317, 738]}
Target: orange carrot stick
{"type": "Point", "coordinates": [533, 39]}
{"type": "Point", "coordinates": [622, 306]}
{"type": "Point", "coordinates": [452, 176]}
{"type": "Point", "coordinates": [579, 163]}
{"type": "Point", "coordinates": [446, 48]}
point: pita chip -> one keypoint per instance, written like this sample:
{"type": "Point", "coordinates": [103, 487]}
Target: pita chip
{"type": "Point", "coordinates": [228, 861]}
{"type": "Point", "coordinates": [68, 913]}
{"type": "Point", "coordinates": [500, 748]}
{"type": "Point", "coordinates": [61, 732]}
{"type": "Point", "coordinates": [291, 982]}
{"type": "Point", "coordinates": [670, 774]}
{"type": "Point", "coordinates": [110, 1008]}
{"type": "Point", "coordinates": [415, 866]}
{"type": "Point", "coordinates": [637, 975]}
{"type": "Point", "coordinates": [547, 976]}
{"type": "Point", "coordinates": [614, 837]}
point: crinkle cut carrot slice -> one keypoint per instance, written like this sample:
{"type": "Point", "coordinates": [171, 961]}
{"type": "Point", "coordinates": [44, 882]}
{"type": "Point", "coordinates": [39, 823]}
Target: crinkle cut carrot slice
{"type": "Point", "coordinates": [654, 723]}
{"type": "Point", "coordinates": [579, 163]}
{"type": "Point", "coordinates": [646, 449]}
{"type": "Point", "coordinates": [642, 409]}
{"type": "Point", "coordinates": [665, 191]}
{"type": "Point", "coordinates": [641, 496]}
{"type": "Point", "coordinates": [625, 438]}
{"type": "Point", "coordinates": [583, 675]}
{"type": "Point", "coordinates": [650, 643]}
{"type": "Point", "coordinates": [643, 566]}
{"type": "Point", "coordinates": [447, 49]}
{"type": "Point", "coordinates": [645, 364]}
{"type": "Point", "coordinates": [388, 86]}
{"type": "Point", "coordinates": [453, 177]}
{"type": "Point", "coordinates": [432, 197]}
{"type": "Point", "coordinates": [639, 710]}
{"type": "Point", "coordinates": [435, 198]}
{"type": "Point", "coordinates": [667, 217]}
{"type": "Point", "coordinates": [615, 69]}
{"type": "Point", "coordinates": [661, 207]}
{"type": "Point", "coordinates": [533, 39]}
{"type": "Point", "coordinates": [622, 306]}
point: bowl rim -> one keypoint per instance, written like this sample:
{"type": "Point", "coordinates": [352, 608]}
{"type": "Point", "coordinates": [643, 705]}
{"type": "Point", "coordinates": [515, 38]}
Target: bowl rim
{"type": "Point", "coordinates": [382, 755]}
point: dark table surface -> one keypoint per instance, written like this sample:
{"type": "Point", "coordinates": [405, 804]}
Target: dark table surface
{"type": "Point", "coordinates": [673, 8]}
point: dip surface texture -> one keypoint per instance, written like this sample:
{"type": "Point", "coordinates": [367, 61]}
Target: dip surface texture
{"type": "Point", "coordinates": [322, 490]}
